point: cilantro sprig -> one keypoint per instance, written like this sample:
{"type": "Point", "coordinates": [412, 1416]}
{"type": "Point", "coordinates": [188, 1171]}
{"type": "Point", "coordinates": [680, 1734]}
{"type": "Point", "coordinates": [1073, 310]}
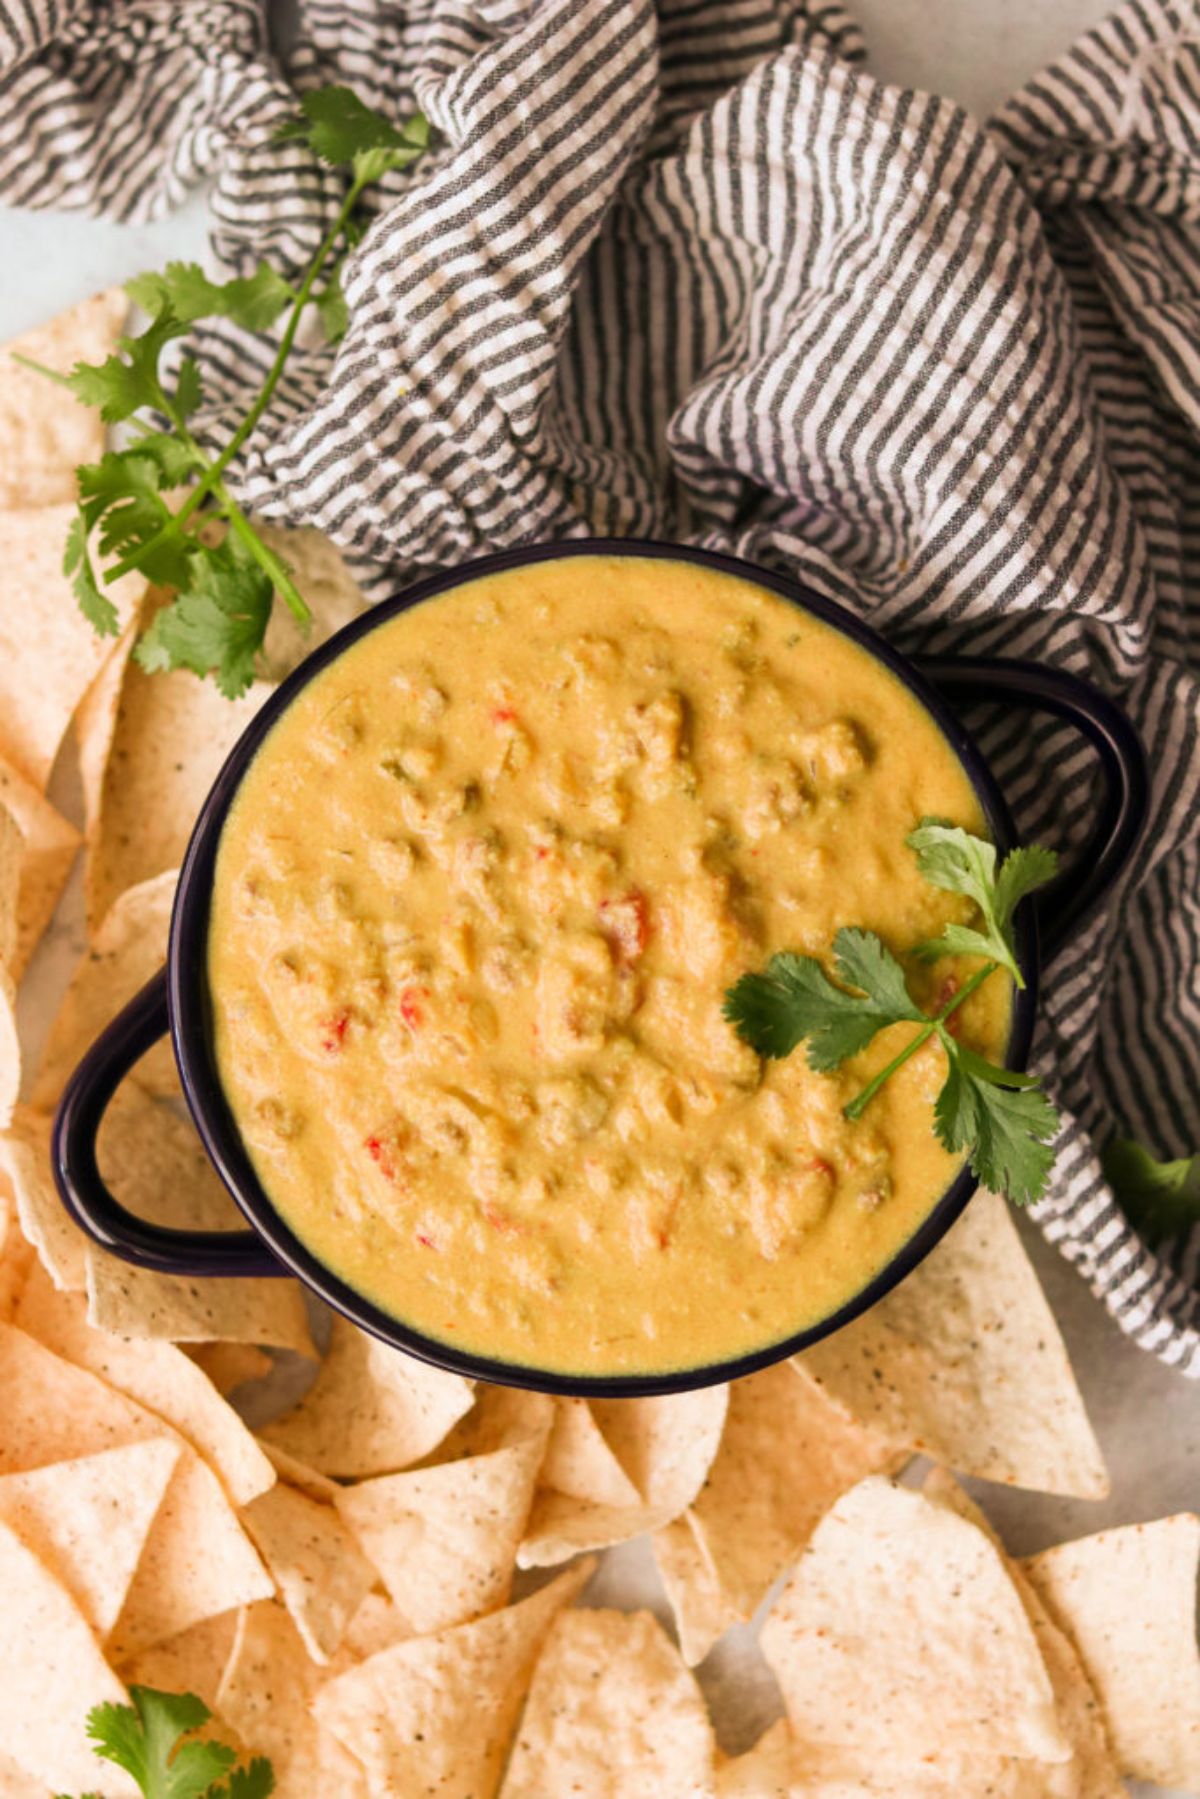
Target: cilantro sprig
{"type": "Point", "coordinates": [998, 1117]}
{"type": "Point", "coordinates": [146, 1739]}
{"type": "Point", "coordinates": [143, 506]}
{"type": "Point", "coordinates": [1161, 1199]}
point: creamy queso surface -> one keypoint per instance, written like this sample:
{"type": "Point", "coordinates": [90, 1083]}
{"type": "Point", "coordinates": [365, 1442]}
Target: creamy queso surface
{"type": "Point", "coordinates": [477, 904]}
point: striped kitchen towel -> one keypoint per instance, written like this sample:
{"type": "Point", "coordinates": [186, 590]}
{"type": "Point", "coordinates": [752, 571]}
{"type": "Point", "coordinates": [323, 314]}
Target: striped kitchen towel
{"type": "Point", "coordinates": [691, 273]}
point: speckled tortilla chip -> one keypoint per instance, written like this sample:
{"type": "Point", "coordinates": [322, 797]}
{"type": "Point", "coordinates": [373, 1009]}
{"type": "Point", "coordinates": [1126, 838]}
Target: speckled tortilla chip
{"type": "Point", "coordinates": [702, 1610]}
{"type": "Point", "coordinates": [49, 654]}
{"type": "Point", "coordinates": [964, 1361]}
{"type": "Point", "coordinates": [96, 718]}
{"type": "Point", "coordinates": [15, 1783]}
{"type": "Point", "coordinates": [53, 1410]}
{"type": "Point", "coordinates": [193, 1661]}
{"type": "Point", "coordinates": [49, 847]}
{"type": "Point", "coordinates": [765, 1772]}
{"type": "Point", "coordinates": [445, 1539]}
{"type": "Point", "coordinates": [198, 1562]}
{"type": "Point", "coordinates": [376, 1625]}
{"type": "Point", "coordinates": [130, 948]}
{"type": "Point", "coordinates": [25, 1155]}
{"type": "Point", "coordinates": [87, 1520]}
{"type": "Point", "coordinates": [500, 1418]}
{"type": "Point", "coordinates": [438, 1713]}
{"type": "Point", "coordinates": [786, 1452]}
{"type": "Point", "coordinates": [901, 1599]}
{"type": "Point", "coordinates": [298, 1474]}
{"type": "Point", "coordinates": [320, 1573]}
{"type": "Point", "coordinates": [16, 1252]}
{"type": "Point", "coordinates": [611, 1710]}
{"type": "Point", "coordinates": [230, 1365]}
{"type": "Point", "coordinates": [159, 1377]}
{"type": "Point", "coordinates": [155, 1164]}
{"type": "Point", "coordinates": [265, 1695]}
{"type": "Point", "coordinates": [662, 1447]}
{"type": "Point", "coordinates": [45, 433]}
{"type": "Point", "coordinates": [371, 1410]}
{"type": "Point", "coordinates": [1127, 1598]}
{"type": "Point", "coordinates": [580, 1461]}
{"type": "Point", "coordinates": [51, 1671]}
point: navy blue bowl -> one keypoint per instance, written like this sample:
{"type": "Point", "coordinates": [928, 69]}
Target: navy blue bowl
{"type": "Point", "coordinates": [178, 1000]}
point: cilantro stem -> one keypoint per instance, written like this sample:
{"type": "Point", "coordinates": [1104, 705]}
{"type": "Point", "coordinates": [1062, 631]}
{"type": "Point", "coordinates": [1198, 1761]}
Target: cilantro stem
{"type": "Point", "coordinates": [861, 1101]}
{"type": "Point", "coordinates": [210, 480]}
{"type": "Point", "coordinates": [39, 368]}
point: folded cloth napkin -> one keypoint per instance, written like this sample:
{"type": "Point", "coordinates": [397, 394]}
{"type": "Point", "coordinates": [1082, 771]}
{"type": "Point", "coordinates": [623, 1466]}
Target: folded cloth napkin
{"type": "Point", "coordinates": [693, 274]}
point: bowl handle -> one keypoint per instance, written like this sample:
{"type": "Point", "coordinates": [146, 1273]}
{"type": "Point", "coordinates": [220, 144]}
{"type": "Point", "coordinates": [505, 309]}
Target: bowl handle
{"type": "Point", "coordinates": [76, 1174]}
{"type": "Point", "coordinates": [1079, 887]}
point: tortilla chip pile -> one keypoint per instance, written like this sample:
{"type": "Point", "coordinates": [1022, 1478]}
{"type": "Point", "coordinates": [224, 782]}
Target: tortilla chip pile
{"type": "Point", "coordinates": [383, 1590]}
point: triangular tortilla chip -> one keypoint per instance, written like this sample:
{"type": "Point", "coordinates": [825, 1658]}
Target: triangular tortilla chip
{"type": "Point", "coordinates": [376, 1625]}
{"type": "Point", "coordinates": [197, 1563]}
{"type": "Point", "coordinates": [321, 1575]}
{"type": "Point", "coordinates": [765, 1772]}
{"type": "Point", "coordinates": [228, 1365]}
{"type": "Point", "coordinates": [45, 1221]}
{"type": "Point", "coordinates": [160, 1377]}
{"type": "Point", "coordinates": [130, 947]}
{"type": "Point", "coordinates": [51, 1671]}
{"type": "Point", "coordinates": [1126, 1598]}
{"type": "Point", "coordinates": [49, 847]}
{"type": "Point", "coordinates": [265, 1694]}
{"type": "Point", "coordinates": [96, 720]}
{"type": "Point", "coordinates": [88, 1520]}
{"type": "Point", "coordinates": [903, 1600]}
{"type": "Point", "coordinates": [663, 1447]}
{"type": "Point", "coordinates": [445, 1539]}
{"type": "Point", "coordinates": [16, 1252]}
{"type": "Point", "coordinates": [580, 1461]}
{"type": "Point", "coordinates": [194, 1661]}
{"type": "Point", "coordinates": [786, 1452]}
{"type": "Point", "coordinates": [499, 1418]}
{"type": "Point", "coordinates": [964, 1361]}
{"type": "Point", "coordinates": [703, 1612]}
{"type": "Point", "coordinates": [15, 1783]}
{"type": "Point", "coordinates": [298, 1474]}
{"type": "Point", "coordinates": [52, 1410]}
{"type": "Point", "coordinates": [612, 1710]}
{"type": "Point", "coordinates": [49, 653]}
{"type": "Point", "coordinates": [437, 1714]}
{"type": "Point", "coordinates": [155, 1164]}
{"type": "Point", "coordinates": [45, 432]}
{"type": "Point", "coordinates": [371, 1409]}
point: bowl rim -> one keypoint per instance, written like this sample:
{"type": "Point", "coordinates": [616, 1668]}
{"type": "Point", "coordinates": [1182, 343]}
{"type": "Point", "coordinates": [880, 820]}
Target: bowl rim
{"type": "Point", "coordinates": [190, 1005]}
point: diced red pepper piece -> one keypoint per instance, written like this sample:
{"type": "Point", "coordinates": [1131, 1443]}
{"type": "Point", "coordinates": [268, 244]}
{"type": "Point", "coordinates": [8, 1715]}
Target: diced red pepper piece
{"type": "Point", "coordinates": [626, 924]}
{"type": "Point", "coordinates": [819, 1165]}
{"type": "Point", "coordinates": [945, 994]}
{"type": "Point", "coordinates": [503, 715]}
{"type": "Point", "coordinates": [333, 1032]}
{"type": "Point", "coordinates": [410, 1006]}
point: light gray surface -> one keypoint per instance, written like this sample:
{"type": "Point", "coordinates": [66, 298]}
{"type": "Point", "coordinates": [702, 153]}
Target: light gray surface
{"type": "Point", "coordinates": [1148, 1418]}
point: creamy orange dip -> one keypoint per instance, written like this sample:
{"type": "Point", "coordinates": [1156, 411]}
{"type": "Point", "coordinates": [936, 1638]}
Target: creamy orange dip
{"type": "Point", "coordinates": [477, 903]}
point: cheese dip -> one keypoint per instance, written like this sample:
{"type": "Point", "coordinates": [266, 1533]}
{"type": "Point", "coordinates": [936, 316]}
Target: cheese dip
{"type": "Point", "coordinates": [477, 903]}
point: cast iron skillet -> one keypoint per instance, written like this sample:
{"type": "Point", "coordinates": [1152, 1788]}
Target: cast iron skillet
{"type": "Point", "coordinates": [178, 1000]}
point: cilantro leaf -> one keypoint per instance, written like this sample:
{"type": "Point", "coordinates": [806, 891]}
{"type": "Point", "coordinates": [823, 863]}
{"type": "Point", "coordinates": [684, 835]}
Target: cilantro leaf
{"type": "Point", "coordinates": [1161, 1199]}
{"type": "Point", "coordinates": [184, 290]}
{"type": "Point", "coordinates": [146, 1740]}
{"type": "Point", "coordinates": [342, 130]}
{"type": "Point", "coordinates": [96, 606]}
{"type": "Point", "coordinates": [128, 379]}
{"type": "Point", "coordinates": [332, 308]}
{"type": "Point", "coordinates": [217, 625]}
{"type": "Point", "coordinates": [122, 493]}
{"type": "Point", "coordinates": [1002, 1120]}
{"type": "Point", "coordinates": [958, 862]}
{"type": "Point", "coordinates": [794, 999]}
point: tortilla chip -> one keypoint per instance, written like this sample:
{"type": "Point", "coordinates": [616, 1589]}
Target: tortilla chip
{"type": "Point", "coordinates": [765, 1772]}
{"type": "Point", "coordinates": [298, 1474]}
{"type": "Point", "coordinates": [16, 1252]}
{"type": "Point", "coordinates": [703, 1612]}
{"type": "Point", "coordinates": [96, 719]}
{"type": "Point", "coordinates": [130, 947]}
{"type": "Point", "coordinates": [155, 1164]}
{"type": "Point", "coordinates": [371, 1409]}
{"type": "Point", "coordinates": [159, 1377]}
{"type": "Point", "coordinates": [265, 1695]}
{"type": "Point", "coordinates": [192, 1662]}
{"type": "Point", "coordinates": [436, 1714]}
{"type": "Point", "coordinates": [662, 1446]}
{"type": "Point", "coordinates": [15, 1783]}
{"type": "Point", "coordinates": [1126, 1598]}
{"type": "Point", "coordinates": [45, 1221]}
{"type": "Point", "coordinates": [197, 1563]}
{"type": "Point", "coordinates": [321, 1576]}
{"type": "Point", "coordinates": [500, 1418]}
{"type": "Point", "coordinates": [87, 1520]}
{"type": "Point", "coordinates": [445, 1539]}
{"type": "Point", "coordinates": [48, 852]}
{"type": "Point", "coordinates": [786, 1452]}
{"type": "Point", "coordinates": [52, 1410]}
{"type": "Point", "coordinates": [12, 849]}
{"type": "Point", "coordinates": [45, 432]}
{"type": "Point", "coordinates": [964, 1361]}
{"type": "Point", "coordinates": [903, 1600]}
{"type": "Point", "coordinates": [151, 794]}
{"type": "Point", "coordinates": [49, 654]}
{"type": "Point", "coordinates": [332, 594]}
{"type": "Point", "coordinates": [376, 1625]}
{"type": "Point", "coordinates": [612, 1709]}
{"type": "Point", "coordinates": [580, 1462]}
{"type": "Point", "coordinates": [51, 1671]}
{"type": "Point", "coordinates": [229, 1365]}
{"type": "Point", "coordinates": [10, 1049]}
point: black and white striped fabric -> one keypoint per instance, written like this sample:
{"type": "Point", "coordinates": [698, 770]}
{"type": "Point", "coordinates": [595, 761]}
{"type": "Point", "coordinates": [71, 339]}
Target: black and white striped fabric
{"type": "Point", "coordinates": [692, 273]}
